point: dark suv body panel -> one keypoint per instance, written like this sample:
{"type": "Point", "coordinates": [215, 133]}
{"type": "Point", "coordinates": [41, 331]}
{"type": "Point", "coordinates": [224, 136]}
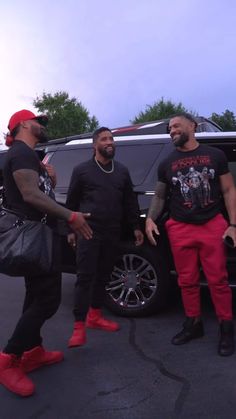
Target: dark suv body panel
{"type": "Point", "coordinates": [142, 276]}
{"type": "Point", "coordinates": [141, 153]}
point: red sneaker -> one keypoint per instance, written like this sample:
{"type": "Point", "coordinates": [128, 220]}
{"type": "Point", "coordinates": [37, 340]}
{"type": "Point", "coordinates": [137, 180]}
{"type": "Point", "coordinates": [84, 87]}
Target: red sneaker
{"type": "Point", "coordinates": [95, 320]}
{"type": "Point", "coordinates": [38, 357]}
{"type": "Point", "coordinates": [13, 377]}
{"type": "Point", "coordinates": [78, 337]}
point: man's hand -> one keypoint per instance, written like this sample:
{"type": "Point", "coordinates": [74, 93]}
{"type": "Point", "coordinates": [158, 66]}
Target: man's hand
{"type": "Point", "coordinates": [71, 239]}
{"type": "Point", "coordinates": [138, 237]}
{"type": "Point", "coordinates": [151, 228]}
{"type": "Point", "coordinates": [230, 232]}
{"type": "Point", "coordinates": [80, 225]}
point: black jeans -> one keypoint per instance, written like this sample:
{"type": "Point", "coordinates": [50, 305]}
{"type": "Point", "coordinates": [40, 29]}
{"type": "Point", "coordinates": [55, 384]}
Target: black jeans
{"type": "Point", "coordinates": [95, 260]}
{"type": "Point", "coordinates": [42, 299]}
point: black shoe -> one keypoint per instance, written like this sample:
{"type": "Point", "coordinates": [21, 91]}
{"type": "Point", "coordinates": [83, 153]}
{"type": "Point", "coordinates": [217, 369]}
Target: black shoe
{"type": "Point", "coordinates": [226, 342]}
{"type": "Point", "coordinates": [192, 329]}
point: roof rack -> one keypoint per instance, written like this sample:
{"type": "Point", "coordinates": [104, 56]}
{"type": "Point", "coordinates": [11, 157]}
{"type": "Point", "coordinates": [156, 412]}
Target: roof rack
{"type": "Point", "coordinates": [153, 127]}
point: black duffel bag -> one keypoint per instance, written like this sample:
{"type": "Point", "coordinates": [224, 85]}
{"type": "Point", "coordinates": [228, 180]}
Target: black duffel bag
{"type": "Point", "coordinates": [25, 246]}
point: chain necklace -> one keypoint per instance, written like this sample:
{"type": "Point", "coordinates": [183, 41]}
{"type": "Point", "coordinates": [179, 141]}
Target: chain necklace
{"type": "Point", "coordinates": [105, 171]}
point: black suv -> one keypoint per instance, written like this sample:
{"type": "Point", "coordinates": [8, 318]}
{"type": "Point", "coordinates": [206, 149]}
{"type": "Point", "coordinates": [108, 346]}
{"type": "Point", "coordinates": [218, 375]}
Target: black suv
{"type": "Point", "coordinates": [142, 276]}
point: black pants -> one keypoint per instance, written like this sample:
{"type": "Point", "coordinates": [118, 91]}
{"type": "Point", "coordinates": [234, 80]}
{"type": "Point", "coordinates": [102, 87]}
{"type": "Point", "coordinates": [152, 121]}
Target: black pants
{"type": "Point", "coordinates": [95, 260]}
{"type": "Point", "coordinates": [42, 299]}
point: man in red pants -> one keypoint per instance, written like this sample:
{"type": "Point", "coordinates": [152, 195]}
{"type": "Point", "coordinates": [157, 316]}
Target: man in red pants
{"type": "Point", "coordinates": [196, 227]}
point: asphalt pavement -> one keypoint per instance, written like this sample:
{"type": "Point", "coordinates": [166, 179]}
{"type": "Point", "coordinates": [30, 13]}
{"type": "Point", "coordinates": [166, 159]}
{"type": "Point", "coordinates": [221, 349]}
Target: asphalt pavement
{"type": "Point", "coordinates": [135, 373]}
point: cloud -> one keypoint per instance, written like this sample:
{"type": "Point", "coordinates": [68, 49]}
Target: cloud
{"type": "Point", "coordinates": [117, 57]}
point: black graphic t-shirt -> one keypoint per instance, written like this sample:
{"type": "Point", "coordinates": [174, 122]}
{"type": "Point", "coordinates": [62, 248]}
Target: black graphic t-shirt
{"type": "Point", "coordinates": [193, 183]}
{"type": "Point", "coordinates": [21, 156]}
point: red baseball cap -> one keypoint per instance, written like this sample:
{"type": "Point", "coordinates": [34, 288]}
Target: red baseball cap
{"type": "Point", "coordinates": [25, 115]}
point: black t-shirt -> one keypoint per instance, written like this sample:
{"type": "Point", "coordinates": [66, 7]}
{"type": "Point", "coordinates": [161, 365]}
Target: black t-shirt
{"type": "Point", "coordinates": [193, 183]}
{"type": "Point", "coordinates": [21, 156]}
{"type": "Point", "coordinates": [109, 197]}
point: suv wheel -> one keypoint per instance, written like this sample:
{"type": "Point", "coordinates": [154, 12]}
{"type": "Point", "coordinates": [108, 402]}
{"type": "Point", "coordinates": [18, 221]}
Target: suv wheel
{"type": "Point", "coordinates": [139, 282]}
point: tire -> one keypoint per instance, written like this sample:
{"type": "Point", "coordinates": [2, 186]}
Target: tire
{"type": "Point", "coordinates": [139, 282]}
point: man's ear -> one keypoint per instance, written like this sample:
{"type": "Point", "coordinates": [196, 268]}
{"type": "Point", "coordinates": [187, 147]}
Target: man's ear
{"type": "Point", "coordinates": [24, 124]}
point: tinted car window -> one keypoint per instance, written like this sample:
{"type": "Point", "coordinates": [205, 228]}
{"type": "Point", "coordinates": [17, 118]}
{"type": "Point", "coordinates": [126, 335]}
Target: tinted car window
{"type": "Point", "coordinates": [65, 160]}
{"type": "Point", "coordinates": [230, 152]}
{"type": "Point", "coordinates": [207, 127]}
{"type": "Point", "coordinates": [138, 158]}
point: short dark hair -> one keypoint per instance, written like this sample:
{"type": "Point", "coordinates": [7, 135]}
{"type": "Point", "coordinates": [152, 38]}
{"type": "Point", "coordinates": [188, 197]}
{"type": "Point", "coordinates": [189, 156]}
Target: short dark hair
{"type": "Point", "coordinates": [98, 131]}
{"type": "Point", "coordinates": [185, 115]}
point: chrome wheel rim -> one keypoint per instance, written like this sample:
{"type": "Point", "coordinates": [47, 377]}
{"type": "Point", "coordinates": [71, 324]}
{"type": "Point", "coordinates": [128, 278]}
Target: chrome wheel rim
{"type": "Point", "coordinates": [133, 282]}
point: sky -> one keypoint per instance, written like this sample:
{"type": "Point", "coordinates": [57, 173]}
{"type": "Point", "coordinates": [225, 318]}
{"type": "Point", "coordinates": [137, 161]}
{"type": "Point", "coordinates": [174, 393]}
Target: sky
{"type": "Point", "coordinates": [118, 56]}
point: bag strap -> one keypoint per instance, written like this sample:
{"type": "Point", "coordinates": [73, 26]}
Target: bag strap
{"type": "Point", "coordinates": [23, 217]}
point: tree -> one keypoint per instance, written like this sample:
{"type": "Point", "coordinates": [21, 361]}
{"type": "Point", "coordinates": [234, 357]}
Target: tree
{"type": "Point", "coordinates": [159, 110]}
{"type": "Point", "coordinates": [67, 116]}
{"type": "Point", "coordinates": [227, 120]}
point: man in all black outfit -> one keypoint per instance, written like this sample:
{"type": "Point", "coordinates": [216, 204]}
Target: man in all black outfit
{"type": "Point", "coordinates": [196, 227]}
{"type": "Point", "coordinates": [28, 191]}
{"type": "Point", "coordinates": [103, 188]}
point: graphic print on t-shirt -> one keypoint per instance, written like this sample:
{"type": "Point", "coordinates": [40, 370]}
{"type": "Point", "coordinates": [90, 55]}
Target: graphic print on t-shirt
{"type": "Point", "coordinates": [194, 183]}
{"type": "Point", "coordinates": [45, 183]}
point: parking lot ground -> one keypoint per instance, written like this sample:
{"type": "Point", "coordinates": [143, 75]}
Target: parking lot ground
{"type": "Point", "coordinates": [132, 374]}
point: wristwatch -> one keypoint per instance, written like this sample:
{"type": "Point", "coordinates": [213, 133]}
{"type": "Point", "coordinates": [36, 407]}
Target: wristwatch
{"type": "Point", "coordinates": [232, 225]}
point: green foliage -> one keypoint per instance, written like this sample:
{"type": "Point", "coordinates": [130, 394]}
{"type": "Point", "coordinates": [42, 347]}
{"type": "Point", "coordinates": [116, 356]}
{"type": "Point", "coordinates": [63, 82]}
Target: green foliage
{"type": "Point", "coordinates": [159, 110]}
{"type": "Point", "coordinates": [66, 115]}
{"type": "Point", "coordinates": [226, 120]}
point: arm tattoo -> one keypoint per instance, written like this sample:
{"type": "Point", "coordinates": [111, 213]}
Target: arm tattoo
{"type": "Point", "coordinates": [158, 201]}
{"type": "Point", "coordinates": [27, 182]}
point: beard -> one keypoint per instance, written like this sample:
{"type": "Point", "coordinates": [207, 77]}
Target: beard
{"type": "Point", "coordinates": [107, 154]}
{"type": "Point", "coordinates": [40, 133]}
{"type": "Point", "coordinates": [181, 140]}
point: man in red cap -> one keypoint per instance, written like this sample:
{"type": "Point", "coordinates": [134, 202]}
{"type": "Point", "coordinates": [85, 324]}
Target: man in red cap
{"type": "Point", "coordinates": [22, 116]}
{"type": "Point", "coordinates": [28, 191]}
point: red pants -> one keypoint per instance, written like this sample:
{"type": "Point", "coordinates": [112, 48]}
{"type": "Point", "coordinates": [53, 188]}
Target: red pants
{"type": "Point", "coordinates": [194, 245]}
